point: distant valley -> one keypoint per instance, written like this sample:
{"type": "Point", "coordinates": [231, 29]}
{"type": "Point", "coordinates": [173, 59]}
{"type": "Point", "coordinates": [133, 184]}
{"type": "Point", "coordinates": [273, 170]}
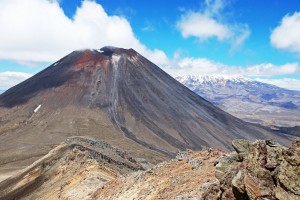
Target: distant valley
{"type": "Point", "coordinates": [247, 99]}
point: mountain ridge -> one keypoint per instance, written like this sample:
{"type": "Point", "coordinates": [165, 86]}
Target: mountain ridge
{"type": "Point", "coordinates": [248, 99]}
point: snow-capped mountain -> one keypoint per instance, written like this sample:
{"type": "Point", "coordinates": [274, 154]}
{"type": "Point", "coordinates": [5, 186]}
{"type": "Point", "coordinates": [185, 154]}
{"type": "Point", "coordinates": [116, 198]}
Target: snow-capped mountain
{"type": "Point", "coordinates": [192, 79]}
{"type": "Point", "coordinates": [248, 99]}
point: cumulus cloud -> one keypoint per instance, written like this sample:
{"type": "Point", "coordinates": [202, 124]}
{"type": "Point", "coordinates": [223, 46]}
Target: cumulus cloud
{"type": "Point", "coordinates": [289, 83]}
{"type": "Point", "coordinates": [209, 23]}
{"type": "Point", "coordinates": [9, 79]}
{"type": "Point", "coordinates": [195, 66]}
{"type": "Point", "coordinates": [269, 69]}
{"type": "Point", "coordinates": [203, 66]}
{"type": "Point", "coordinates": [202, 27]}
{"type": "Point", "coordinates": [286, 35]}
{"type": "Point", "coordinates": [39, 31]}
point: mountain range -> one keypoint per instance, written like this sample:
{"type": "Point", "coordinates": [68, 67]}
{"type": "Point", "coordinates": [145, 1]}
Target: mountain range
{"type": "Point", "coordinates": [250, 100]}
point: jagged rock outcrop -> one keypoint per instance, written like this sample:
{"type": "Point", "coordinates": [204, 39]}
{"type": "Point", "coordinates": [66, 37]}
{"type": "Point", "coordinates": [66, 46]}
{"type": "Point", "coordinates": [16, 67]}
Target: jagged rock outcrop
{"type": "Point", "coordinates": [191, 175]}
{"type": "Point", "coordinates": [260, 170]}
{"type": "Point", "coordinates": [83, 168]}
{"type": "Point", "coordinates": [256, 170]}
{"type": "Point", "coordinates": [72, 170]}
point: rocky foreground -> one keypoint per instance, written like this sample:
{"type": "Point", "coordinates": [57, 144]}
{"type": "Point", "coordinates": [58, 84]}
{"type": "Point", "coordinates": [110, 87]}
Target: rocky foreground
{"type": "Point", "coordinates": [82, 168]}
{"type": "Point", "coordinates": [258, 170]}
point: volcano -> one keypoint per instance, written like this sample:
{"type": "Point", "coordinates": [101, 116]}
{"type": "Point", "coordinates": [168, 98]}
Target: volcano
{"type": "Point", "coordinates": [115, 95]}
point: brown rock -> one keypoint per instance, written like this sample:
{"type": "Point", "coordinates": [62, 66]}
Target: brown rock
{"type": "Point", "coordinates": [274, 155]}
{"type": "Point", "coordinates": [282, 194]}
{"type": "Point", "coordinates": [213, 191]}
{"type": "Point", "coordinates": [238, 185]}
{"type": "Point", "coordinates": [257, 155]}
{"type": "Point", "coordinates": [292, 154]}
{"type": "Point", "coordinates": [226, 164]}
{"type": "Point", "coordinates": [228, 194]}
{"type": "Point", "coordinates": [267, 170]}
{"type": "Point", "coordinates": [289, 171]}
{"type": "Point", "coordinates": [252, 189]}
{"type": "Point", "coordinates": [241, 147]}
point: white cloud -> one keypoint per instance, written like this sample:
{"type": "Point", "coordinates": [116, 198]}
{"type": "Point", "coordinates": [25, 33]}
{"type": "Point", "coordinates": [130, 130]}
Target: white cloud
{"type": "Point", "coordinates": [269, 69]}
{"type": "Point", "coordinates": [202, 27]}
{"type": "Point", "coordinates": [244, 34]}
{"type": "Point", "coordinates": [286, 35]}
{"type": "Point", "coordinates": [203, 66]}
{"type": "Point", "coordinates": [39, 31]}
{"type": "Point", "coordinates": [149, 27]}
{"type": "Point", "coordinates": [209, 23]}
{"type": "Point", "coordinates": [9, 79]}
{"type": "Point", "coordinates": [194, 66]}
{"type": "Point", "coordinates": [292, 84]}
{"type": "Point", "coordinates": [214, 7]}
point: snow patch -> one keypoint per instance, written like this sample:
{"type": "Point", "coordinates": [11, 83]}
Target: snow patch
{"type": "Point", "coordinates": [133, 59]}
{"type": "Point", "coordinates": [99, 50]}
{"type": "Point", "coordinates": [195, 80]}
{"type": "Point", "coordinates": [37, 108]}
{"type": "Point", "coordinates": [115, 60]}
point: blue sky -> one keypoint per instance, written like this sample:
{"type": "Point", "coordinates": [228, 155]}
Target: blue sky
{"type": "Point", "coordinates": [253, 38]}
